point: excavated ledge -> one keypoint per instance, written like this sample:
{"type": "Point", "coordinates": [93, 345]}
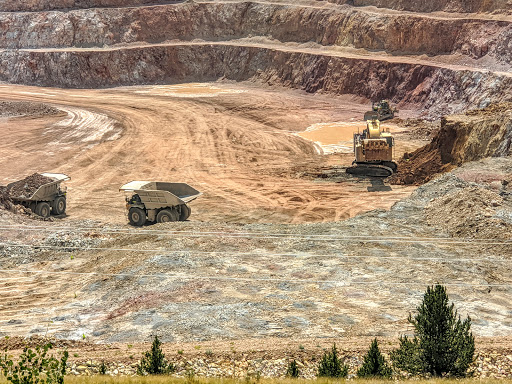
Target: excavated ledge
{"type": "Point", "coordinates": [50, 5]}
{"type": "Point", "coordinates": [348, 27]}
{"type": "Point", "coordinates": [469, 6]}
{"type": "Point", "coordinates": [461, 139]}
{"type": "Point", "coordinates": [408, 5]}
{"type": "Point", "coordinates": [438, 90]}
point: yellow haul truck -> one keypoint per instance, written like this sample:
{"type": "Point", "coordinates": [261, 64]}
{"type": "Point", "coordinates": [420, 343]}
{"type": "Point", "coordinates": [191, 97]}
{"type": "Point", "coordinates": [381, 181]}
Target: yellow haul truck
{"type": "Point", "coordinates": [156, 201]}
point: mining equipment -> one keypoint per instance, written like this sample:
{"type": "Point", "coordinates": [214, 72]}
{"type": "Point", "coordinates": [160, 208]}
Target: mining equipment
{"type": "Point", "coordinates": [373, 149]}
{"type": "Point", "coordinates": [48, 198]}
{"type": "Point", "coordinates": [383, 110]}
{"type": "Point", "coordinates": [156, 201]}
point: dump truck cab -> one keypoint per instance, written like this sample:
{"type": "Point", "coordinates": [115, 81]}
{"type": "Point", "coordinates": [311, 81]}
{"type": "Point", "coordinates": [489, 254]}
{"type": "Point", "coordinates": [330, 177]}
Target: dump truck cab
{"type": "Point", "coordinates": [156, 201]}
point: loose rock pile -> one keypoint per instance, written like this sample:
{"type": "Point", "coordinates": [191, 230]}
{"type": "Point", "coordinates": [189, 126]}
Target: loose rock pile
{"type": "Point", "coordinates": [486, 365]}
{"type": "Point", "coordinates": [471, 212]}
{"type": "Point", "coordinates": [25, 108]}
{"type": "Point", "coordinates": [28, 186]}
{"type": "Point", "coordinates": [22, 189]}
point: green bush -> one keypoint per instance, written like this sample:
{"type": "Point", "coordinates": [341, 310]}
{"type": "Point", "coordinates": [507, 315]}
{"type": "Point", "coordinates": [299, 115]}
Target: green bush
{"type": "Point", "coordinates": [331, 365]}
{"type": "Point", "coordinates": [153, 362]}
{"type": "Point", "coordinates": [293, 369]}
{"type": "Point", "coordinates": [374, 364]}
{"type": "Point", "coordinates": [102, 370]}
{"type": "Point", "coordinates": [442, 344]}
{"type": "Point", "coordinates": [34, 366]}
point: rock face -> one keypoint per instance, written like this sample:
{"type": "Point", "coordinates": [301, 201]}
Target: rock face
{"type": "Point", "coordinates": [443, 64]}
{"type": "Point", "coordinates": [46, 5]}
{"type": "Point", "coordinates": [373, 79]}
{"type": "Point", "coordinates": [348, 27]}
{"type": "Point", "coordinates": [434, 5]}
{"type": "Point", "coordinates": [474, 136]}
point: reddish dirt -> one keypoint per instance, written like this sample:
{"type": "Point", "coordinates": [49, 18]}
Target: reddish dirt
{"type": "Point", "coordinates": [473, 136]}
{"type": "Point", "coordinates": [238, 147]}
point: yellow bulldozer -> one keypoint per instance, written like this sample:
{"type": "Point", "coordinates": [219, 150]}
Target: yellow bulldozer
{"type": "Point", "coordinates": [373, 149]}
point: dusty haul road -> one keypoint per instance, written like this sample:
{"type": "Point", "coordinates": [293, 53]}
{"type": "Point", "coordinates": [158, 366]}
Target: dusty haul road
{"type": "Point", "coordinates": [237, 144]}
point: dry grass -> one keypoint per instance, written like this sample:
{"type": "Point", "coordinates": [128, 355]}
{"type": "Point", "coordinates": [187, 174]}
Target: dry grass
{"type": "Point", "coordinates": [174, 380]}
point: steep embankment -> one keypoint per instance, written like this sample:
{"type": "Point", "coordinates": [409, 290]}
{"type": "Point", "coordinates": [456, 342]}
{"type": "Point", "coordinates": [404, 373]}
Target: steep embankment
{"type": "Point", "coordinates": [462, 138]}
{"type": "Point", "coordinates": [333, 49]}
{"type": "Point", "coordinates": [434, 5]}
{"type": "Point", "coordinates": [431, 86]}
{"type": "Point", "coordinates": [347, 27]}
{"type": "Point", "coordinates": [46, 5]}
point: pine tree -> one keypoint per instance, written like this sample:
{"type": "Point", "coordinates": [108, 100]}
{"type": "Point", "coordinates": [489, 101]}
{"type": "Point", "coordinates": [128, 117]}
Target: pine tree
{"type": "Point", "coordinates": [442, 343]}
{"type": "Point", "coordinates": [374, 364]}
{"type": "Point", "coordinates": [153, 362]}
{"type": "Point", "coordinates": [331, 365]}
{"type": "Point", "coordinates": [293, 369]}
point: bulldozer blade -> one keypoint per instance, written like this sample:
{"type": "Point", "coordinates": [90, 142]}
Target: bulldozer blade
{"type": "Point", "coordinates": [370, 170]}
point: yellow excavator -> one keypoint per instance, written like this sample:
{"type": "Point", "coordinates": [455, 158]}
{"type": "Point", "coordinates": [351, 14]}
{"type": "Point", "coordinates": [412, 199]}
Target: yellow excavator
{"type": "Point", "coordinates": [373, 149]}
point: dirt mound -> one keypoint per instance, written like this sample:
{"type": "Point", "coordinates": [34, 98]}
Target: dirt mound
{"type": "Point", "coordinates": [26, 108]}
{"type": "Point", "coordinates": [461, 138]}
{"type": "Point", "coordinates": [471, 212]}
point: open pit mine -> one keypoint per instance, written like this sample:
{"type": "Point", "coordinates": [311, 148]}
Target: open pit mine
{"type": "Point", "coordinates": [254, 105]}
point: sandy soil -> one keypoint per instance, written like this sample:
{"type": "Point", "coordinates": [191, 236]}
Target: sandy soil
{"type": "Point", "coordinates": [235, 143]}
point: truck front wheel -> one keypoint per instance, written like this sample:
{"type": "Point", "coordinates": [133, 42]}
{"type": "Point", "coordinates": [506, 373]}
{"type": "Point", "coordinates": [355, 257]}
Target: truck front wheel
{"type": "Point", "coordinates": [136, 216]}
{"type": "Point", "coordinates": [43, 209]}
{"type": "Point", "coordinates": [166, 216]}
{"type": "Point", "coordinates": [59, 205]}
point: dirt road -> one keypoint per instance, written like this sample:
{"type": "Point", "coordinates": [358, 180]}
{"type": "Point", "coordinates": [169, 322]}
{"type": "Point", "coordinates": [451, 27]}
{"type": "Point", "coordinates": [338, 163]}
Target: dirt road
{"type": "Point", "coordinates": [235, 143]}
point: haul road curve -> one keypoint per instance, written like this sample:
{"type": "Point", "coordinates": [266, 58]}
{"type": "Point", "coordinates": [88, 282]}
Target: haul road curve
{"type": "Point", "coordinates": [235, 144]}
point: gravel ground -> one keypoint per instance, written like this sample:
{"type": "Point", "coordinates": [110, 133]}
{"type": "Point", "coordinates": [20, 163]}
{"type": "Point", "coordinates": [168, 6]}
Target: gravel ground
{"type": "Point", "coordinates": [196, 281]}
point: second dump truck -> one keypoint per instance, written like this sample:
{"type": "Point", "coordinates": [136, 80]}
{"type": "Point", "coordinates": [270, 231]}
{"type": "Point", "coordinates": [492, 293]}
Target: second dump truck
{"type": "Point", "coordinates": [156, 201]}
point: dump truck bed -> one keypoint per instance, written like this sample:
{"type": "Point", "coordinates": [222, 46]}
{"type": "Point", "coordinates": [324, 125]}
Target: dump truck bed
{"type": "Point", "coordinates": [45, 192]}
{"type": "Point", "coordinates": [156, 194]}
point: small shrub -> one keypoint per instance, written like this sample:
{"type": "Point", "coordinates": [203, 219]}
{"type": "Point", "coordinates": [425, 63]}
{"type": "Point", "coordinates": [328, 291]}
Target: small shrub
{"type": "Point", "coordinates": [102, 369]}
{"type": "Point", "coordinates": [180, 351]}
{"type": "Point", "coordinates": [374, 364]}
{"type": "Point", "coordinates": [301, 347]}
{"type": "Point", "coordinates": [34, 366]}
{"type": "Point", "coordinates": [153, 362]}
{"type": "Point", "coordinates": [190, 376]}
{"type": "Point", "coordinates": [209, 353]}
{"type": "Point", "coordinates": [293, 369]}
{"type": "Point", "coordinates": [331, 365]}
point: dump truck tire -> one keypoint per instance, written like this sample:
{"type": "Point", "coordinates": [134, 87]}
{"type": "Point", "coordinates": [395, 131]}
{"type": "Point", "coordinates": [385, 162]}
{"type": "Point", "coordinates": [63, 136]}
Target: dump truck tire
{"type": "Point", "coordinates": [43, 209]}
{"type": "Point", "coordinates": [185, 212]}
{"type": "Point", "coordinates": [59, 205]}
{"type": "Point", "coordinates": [136, 216]}
{"type": "Point", "coordinates": [166, 216]}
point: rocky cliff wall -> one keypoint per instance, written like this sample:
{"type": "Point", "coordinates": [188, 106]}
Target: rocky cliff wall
{"type": "Point", "coordinates": [429, 86]}
{"type": "Point", "coordinates": [48, 5]}
{"type": "Point", "coordinates": [396, 34]}
{"type": "Point", "coordinates": [434, 5]}
{"type": "Point", "coordinates": [409, 5]}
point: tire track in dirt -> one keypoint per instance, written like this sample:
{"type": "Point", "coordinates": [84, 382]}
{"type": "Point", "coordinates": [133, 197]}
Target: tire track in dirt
{"type": "Point", "coordinates": [237, 157]}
